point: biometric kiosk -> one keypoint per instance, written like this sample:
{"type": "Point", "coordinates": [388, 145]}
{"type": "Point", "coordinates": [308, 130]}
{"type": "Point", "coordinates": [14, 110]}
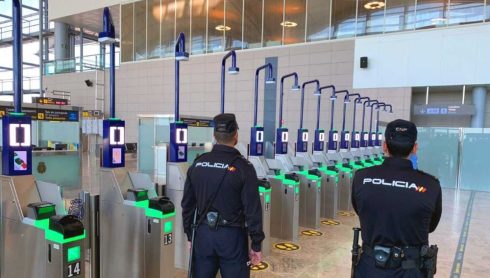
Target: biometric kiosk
{"type": "Point", "coordinates": [284, 203]}
{"type": "Point", "coordinates": [143, 222]}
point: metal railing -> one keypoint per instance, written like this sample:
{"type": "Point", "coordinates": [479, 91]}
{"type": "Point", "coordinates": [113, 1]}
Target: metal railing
{"type": "Point", "coordinates": [29, 26]}
{"type": "Point", "coordinates": [77, 64]}
{"type": "Point", "coordinates": [29, 84]}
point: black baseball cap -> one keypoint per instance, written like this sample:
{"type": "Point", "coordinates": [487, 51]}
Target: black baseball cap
{"type": "Point", "coordinates": [226, 123]}
{"type": "Point", "coordinates": [401, 131]}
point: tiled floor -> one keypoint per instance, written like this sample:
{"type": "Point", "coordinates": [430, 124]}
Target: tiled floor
{"type": "Point", "coordinates": [329, 255]}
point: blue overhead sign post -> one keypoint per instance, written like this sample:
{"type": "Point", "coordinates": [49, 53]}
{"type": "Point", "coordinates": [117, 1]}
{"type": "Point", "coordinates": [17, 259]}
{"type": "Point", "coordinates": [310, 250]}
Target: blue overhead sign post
{"type": "Point", "coordinates": [379, 136]}
{"type": "Point", "coordinates": [319, 142]}
{"type": "Point", "coordinates": [17, 127]}
{"type": "Point", "coordinates": [372, 136]}
{"type": "Point", "coordinates": [257, 132]}
{"type": "Point", "coordinates": [333, 135]}
{"type": "Point", "coordinates": [364, 134]}
{"type": "Point", "coordinates": [113, 129]}
{"type": "Point", "coordinates": [233, 70]}
{"type": "Point", "coordinates": [178, 129]}
{"type": "Point", "coordinates": [282, 133]}
{"type": "Point", "coordinates": [302, 139]}
{"type": "Point", "coordinates": [356, 136]}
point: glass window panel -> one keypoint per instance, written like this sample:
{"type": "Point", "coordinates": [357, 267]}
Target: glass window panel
{"type": "Point", "coordinates": [343, 18]}
{"type": "Point", "coordinates": [431, 13]}
{"type": "Point", "coordinates": [400, 15]}
{"type": "Point", "coordinates": [475, 151]}
{"type": "Point", "coordinates": [168, 28]}
{"type": "Point", "coordinates": [438, 153]}
{"type": "Point", "coordinates": [154, 19]}
{"type": "Point", "coordinates": [183, 15]}
{"type": "Point", "coordinates": [216, 27]}
{"type": "Point", "coordinates": [294, 26]}
{"type": "Point", "coordinates": [318, 25]}
{"type": "Point", "coordinates": [199, 17]}
{"type": "Point", "coordinates": [233, 20]}
{"type": "Point", "coordinates": [370, 17]}
{"type": "Point", "coordinates": [273, 17]}
{"type": "Point", "coordinates": [140, 30]}
{"type": "Point", "coordinates": [466, 11]}
{"type": "Point", "coordinates": [127, 33]}
{"type": "Point", "coordinates": [252, 24]}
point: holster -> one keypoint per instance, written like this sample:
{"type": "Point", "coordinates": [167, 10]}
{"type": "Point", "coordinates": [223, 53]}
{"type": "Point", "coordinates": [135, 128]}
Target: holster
{"type": "Point", "coordinates": [429, 260]}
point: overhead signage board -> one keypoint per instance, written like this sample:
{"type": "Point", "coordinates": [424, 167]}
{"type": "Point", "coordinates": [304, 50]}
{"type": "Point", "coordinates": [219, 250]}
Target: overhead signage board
{"type": "Point", "coordinates": [50, 101]}
{"type": "Point", "coordinates": [443, 110]}
{"type": "Point", "coordinates": [196, 122]}
{"type": "Point", "coordinates": [41, 114]}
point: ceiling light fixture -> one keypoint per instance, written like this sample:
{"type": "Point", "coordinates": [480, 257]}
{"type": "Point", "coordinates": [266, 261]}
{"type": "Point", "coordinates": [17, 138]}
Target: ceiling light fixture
{"type": "Point", "coordinates": [222, 28]}
{"type": "Point", "coordinates": [373, 5]}
{"type": "Point", "coordinates": [289, 24]}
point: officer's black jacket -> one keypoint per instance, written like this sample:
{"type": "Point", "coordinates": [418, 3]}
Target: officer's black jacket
{"type": "Point", "coordinates": [397, 205]}
{"type": "Point", "coordinates": [238, 199]}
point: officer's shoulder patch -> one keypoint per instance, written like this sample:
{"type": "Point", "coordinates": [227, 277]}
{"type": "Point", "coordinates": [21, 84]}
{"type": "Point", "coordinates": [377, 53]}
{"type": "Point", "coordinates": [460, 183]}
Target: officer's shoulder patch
{"type": "Point", "coordinates": [427, 174]}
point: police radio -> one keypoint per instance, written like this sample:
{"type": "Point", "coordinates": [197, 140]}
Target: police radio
{"type": "Point", "coordinates": [17, 145]}
{"type": "Point", "coordinates": [282, 138]}
{"type": "Point", "coordinates": [257, 141]}
{"type": "Point", "coordinates": [113, 148]}
{"type": "Point", "coordinates": [333, 140]}
{"type": "Point", "coordinates": [178, 142]}
{"type": "Point", "coordinates": [302, 143]}
{"type": "Point", "coordinates": [319, 143]}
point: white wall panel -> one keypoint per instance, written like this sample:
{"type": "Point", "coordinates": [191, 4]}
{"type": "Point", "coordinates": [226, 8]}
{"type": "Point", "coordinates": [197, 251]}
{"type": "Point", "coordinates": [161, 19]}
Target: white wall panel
{"type": "Point", "coordinates": [437, 57]}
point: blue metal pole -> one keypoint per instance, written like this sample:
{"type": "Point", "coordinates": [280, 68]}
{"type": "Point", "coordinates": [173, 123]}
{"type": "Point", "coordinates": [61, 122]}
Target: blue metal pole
{"type": "Point", "coordinates": [177, 90]}
{"type": "Point", "coordinates": [281, 97]}
{"type": "Point", "coordinates": [356, 101]}
{"type": "Point", "coordinates": [223, 70]}
{"type": "Point", "coordinates": [113, 81]}
{"type": "Point", "coordinates": [347, 98]}
{"type": "Point", "coordinates": [303, 98]}
{"type": "Point", "coordinates": [17, 51]}
{"type": "Point", "coordinates": [371, 120]}
{"type": "Point", "coordinates": [179, 47]}
{"type": "Point", "coordinates": [364, 112]}
{"type": "Point", "coordinates": [333, 94]}
{"type": "Point", "coordinates": [333, 107]}
{"type": "Point", "coordinates": [256, 96]}
{"type": "Point", "coordinates": [318, 105]}
{"type": "Point", "coordinates": [380, 104]}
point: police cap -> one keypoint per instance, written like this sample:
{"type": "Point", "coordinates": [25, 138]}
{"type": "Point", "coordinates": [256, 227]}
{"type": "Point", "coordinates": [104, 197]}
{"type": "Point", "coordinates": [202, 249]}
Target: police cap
{"type": "Point", "coordinates": [225, 123]}
{"type": "Point", "coordinates": [401, 131]}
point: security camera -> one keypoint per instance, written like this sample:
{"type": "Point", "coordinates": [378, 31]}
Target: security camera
{"type": "Point", "coordinates": [89, 83]}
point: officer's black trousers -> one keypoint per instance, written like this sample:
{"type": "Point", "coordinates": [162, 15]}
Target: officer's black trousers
{"type": "Point", "coordinates": [225, 248]}
{"type": "Point", "coordinates": [367, 269]}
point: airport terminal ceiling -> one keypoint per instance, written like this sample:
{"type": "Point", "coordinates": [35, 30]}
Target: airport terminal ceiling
{"type": "Point", "coordinates": [218, 25]}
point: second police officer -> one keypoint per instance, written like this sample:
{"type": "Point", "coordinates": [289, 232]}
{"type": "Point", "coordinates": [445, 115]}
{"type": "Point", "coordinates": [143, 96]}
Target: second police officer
{"type": "Point", "coordinates": [398, 207]}
{"type": "Point", "coordinates": [222, 186]}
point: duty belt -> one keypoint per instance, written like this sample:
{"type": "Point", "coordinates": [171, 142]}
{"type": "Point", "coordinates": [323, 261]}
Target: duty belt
{"type": "Point", "coordinates": [218, 221]}
{"type": "Point", "coordinates": [394, 257]}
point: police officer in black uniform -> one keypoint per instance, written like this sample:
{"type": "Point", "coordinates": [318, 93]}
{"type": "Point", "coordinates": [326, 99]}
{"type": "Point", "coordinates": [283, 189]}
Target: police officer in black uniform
{"type": "Point", "coordinates": [223, 186]}
{"type": "Point", "coordinates": [398, 207]}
